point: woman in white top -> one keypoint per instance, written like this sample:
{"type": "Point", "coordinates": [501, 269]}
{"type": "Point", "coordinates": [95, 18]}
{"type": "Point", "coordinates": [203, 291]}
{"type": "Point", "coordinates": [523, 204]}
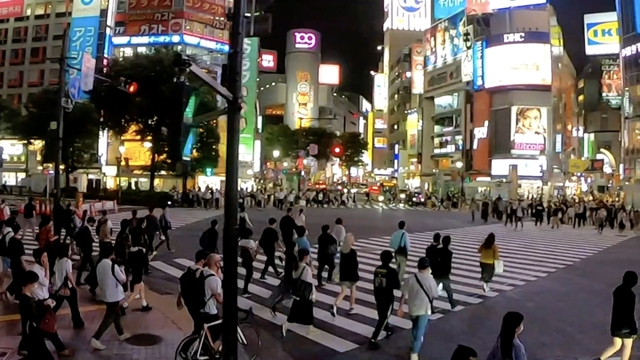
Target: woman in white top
{"type": "Point", "coordinates": [301, 219]}
{"type": "Point", "coordinates": [110, 280]}
{"type": "Point", "coordinates": [64, 286]}
{"type": "Point", "coordinates": [302, 309]}
{"type": "Point", "coordinates": [339, 232]}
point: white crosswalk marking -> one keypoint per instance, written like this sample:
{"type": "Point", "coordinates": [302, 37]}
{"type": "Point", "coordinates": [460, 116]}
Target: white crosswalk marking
{"type": "Point", "coordinates": [380, 206]}
{"type": "Point", "coordinates": [179, 217]}
{"type": "Point", "coordinates": [528, 255]}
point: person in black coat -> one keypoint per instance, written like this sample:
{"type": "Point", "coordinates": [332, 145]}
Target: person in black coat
{"type": "Point", "coordinates": [624, 328]}
{"type": "Point", "coordinates": [349, 276]}
{"type": "Point", "coordinates": [327, 251]}
{"type": "Point", "coordinates": [442, 270]}
{"type": "Point", "coordinates": [287, 227]}
{"type": "Point", "coordinates": [268, 241]}
{"type": "Point", "coordinates": [84, 241]}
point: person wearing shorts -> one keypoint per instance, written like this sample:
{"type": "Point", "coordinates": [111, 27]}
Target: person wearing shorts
{"type": "Point", "coordinates": [349, 276]}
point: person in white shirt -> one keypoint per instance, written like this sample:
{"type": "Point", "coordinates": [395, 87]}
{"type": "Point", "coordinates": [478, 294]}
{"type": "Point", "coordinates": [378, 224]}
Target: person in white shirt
{"type": "Point", "coordinates": [339, 232]}
{"type": "Point", "coordinates": [518, 215]}
{"type": "Point", "coordinates": [301, 219]}
{"type": "Point", "coordinates": [64, 285]}
{"type": "Point", "coordinates": [110, 280]}
{"type": "Point", "coordinates": [419, 291]}
{"type": "Point", "coordinates": [40, 290]}
{"type": "Point", "coordinates": [213, 295]}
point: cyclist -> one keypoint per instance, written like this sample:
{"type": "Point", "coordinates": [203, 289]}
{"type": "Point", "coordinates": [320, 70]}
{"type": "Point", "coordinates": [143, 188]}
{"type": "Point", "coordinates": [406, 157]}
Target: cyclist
{"type": "Point", "coordinates": [188, 282]}
{"type": "Point", "coordinates": [213, 296]}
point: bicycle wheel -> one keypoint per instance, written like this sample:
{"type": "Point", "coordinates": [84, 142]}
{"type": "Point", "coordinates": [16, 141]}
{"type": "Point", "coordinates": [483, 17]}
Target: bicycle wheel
{"type": "Point", "coordinates": [187, 348]}
{"type": "Point", "coordinates": [249, 340]}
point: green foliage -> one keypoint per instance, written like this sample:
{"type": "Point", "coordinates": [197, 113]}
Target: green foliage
{"type": "Point", "coordinates": [206, 147]}
{"type": "Point", "coordinates": [81, 127]}
{"type": "Point", "coordinates": [319, 136]}
{"type": "Point", "coordinates": [354, 147]}
{"type": "Point", "coordinates": [279, 137]}
{"type": "Point", "coordinates": [282, 137]}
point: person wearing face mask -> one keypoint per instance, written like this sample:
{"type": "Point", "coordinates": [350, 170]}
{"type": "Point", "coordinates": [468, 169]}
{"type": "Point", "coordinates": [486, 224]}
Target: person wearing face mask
{"type": "Point", "coordinates": [508, 346]}
{"type": "Point", "coordinates": [624, 328]}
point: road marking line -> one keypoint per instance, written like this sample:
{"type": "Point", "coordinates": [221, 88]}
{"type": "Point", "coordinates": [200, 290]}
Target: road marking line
{"type": "Point", "coordinates": [65, 311]}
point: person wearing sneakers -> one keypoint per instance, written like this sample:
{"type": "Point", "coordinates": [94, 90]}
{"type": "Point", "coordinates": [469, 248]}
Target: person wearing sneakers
{"type": "Point", "coordinates": [349, 277]}
{"type": "Point", "coordinates": [110, 280]}
{"type": "Point", "coordinates": [137, 260]}
{"type": "Point", "coordinates": [418, 292]}
{"type": "Point", "coordinates": [489, 253]}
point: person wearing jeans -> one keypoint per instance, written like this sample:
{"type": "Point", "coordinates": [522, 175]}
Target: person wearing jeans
{"type": "Point", "coordinates": [110, 280]}
{"type": "Point", "coordinates": [401, 246]}
{"type": "Point", "coordinates": [419, 291]}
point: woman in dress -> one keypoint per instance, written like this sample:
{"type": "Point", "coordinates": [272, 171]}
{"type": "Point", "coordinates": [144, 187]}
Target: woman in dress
{"type": "Point", "coordinates": [349, 276]}
{"type": "Point", "coordinates": [508, 346]}
{"type": "Point", "coordinates": [302, 309]}
{"type": "Point", "coordinates": [489, 253]}
{"type": "Point", "coordinates": [624, 328]}
{"type": "Point", "coordinates": [138, 261]}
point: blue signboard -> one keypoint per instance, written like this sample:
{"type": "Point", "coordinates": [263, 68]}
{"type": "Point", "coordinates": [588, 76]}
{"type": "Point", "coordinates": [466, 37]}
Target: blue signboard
{"type": "Point", "coordinates": [478, 65]}
{"type": "Point", "coordinates": [83, 38]}
{"type": "Point", "coordinates": [443, 9]}
{"type": "Point", "coordinates": [185, 39]}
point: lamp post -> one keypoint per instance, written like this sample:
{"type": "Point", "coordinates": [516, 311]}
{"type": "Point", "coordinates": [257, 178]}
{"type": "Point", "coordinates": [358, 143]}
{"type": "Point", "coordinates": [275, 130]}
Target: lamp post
{"type": "Point", "coordinates": [459, 165]}
{"type": "Point", "coordinates": [121, 150]}
{"type": "Point", "coordinates": [276, 155]}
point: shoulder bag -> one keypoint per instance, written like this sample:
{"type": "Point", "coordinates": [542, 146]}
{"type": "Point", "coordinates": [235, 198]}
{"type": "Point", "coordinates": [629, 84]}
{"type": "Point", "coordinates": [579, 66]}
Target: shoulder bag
{"type": "Point", "coordinates": [425, 292]}
{"type": "Point", "coordinates": [47, 322]}
{"type": "Point", "coordinates": [402, 247]}
{"type": "Point", "coordinates": [301, 289]}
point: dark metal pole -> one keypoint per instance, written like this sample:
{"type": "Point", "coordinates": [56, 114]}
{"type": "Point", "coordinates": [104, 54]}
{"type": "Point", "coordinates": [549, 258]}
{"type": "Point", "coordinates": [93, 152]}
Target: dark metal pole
{"type": "Point", "coordinates": [230, 239]}
{"type": "Point", "coordinates": [62, 89]}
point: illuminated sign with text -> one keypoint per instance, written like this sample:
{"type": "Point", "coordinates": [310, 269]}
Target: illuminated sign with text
{"type": "Point", "coordinates": [171, 40]}
{"type": "Point", "coordinates": [303, 40]}
{"type": "Point", "coordinates": [268, 60]}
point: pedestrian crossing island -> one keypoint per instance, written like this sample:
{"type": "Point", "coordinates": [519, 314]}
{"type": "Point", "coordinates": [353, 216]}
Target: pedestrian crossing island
{"type": "Point", "coordinates": [528, 255]}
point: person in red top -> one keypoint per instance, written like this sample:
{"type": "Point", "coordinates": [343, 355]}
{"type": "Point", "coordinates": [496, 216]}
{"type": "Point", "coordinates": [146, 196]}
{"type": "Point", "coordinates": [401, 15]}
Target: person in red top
{"type": "Point", "coordinates": [46, 238]}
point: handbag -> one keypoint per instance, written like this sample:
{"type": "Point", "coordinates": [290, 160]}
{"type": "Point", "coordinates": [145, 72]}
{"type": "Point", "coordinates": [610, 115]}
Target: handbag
{"type": "Point", "coordinates": [498, 266]}
{"type": "Point", "coordinates": [300, 289]}
{"type": "Point", "coordinates": [47, 323]}
{"type": "Point", "coordinates": [402, 247]}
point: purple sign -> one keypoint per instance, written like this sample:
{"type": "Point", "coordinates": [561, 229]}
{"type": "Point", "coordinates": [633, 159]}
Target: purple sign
{"type": "Point", "coordinates": [304, 40]}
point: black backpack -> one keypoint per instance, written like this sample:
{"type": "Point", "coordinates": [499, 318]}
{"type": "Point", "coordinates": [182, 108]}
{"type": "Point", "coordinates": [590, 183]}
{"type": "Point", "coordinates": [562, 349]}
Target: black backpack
{"type": "Point", "coordinates": [192, 284]}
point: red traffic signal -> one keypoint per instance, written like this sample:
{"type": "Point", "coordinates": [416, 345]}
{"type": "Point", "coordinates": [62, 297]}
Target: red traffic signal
{"type": "Point", "coordinates": [336, 151]}
{"type": "Point", "coordinates": [132, 87]}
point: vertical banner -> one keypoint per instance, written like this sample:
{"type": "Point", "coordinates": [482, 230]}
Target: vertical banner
{"type": "Point", "coordinates": [83, 38]}
{"type": "Point", "coordinates": [417, 69]}
{"type": "Point", "coordinates": [249, 113]}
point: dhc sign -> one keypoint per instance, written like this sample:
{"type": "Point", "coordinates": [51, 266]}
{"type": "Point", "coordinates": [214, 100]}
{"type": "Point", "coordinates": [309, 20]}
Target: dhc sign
{"type": "Point", "coordinates": [515, 37]}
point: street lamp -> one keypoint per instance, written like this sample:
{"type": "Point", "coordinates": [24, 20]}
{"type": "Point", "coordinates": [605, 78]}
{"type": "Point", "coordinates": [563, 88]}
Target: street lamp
{"type": "Point", "coordinates": [121, 150]}
{"type": "Point", "coordinates": [459, 165]}
{"type": "Point", "coordinates": [276, 155]}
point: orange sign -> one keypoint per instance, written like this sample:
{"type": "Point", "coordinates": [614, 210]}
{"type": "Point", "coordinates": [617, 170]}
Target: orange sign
{"type": "Point", "coordinates": [150, 27]}
{"type": "Point", "coordinates": [150, 5]}
{"type": "Point", "coordinates": [219, 23]}
{"type": "Point", "coordinates": [478, 6]}
{"type": "Point", "coordinates": [205, 7]}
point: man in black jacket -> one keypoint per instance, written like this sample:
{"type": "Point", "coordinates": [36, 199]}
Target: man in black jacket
{"type": "Point", "coordinates": [442, 272]}
{"type": "Point", "coordinates": [431, 251]}
{"type": "Point", "coordinates": [385, 281]}
{"type": "Point", "coordinates": [267, 242]}
{"type": "Point", "coordinates": [327, 251]}
{"type": "Point", "coordinates": [209, 238]}
{"type": "Point", "coordinates": [84, 241]}
{"type": "Point", "coordinates": [287, 227]}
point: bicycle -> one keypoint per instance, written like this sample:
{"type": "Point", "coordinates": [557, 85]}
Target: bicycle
{"type": "Point", "coordinates": [199, 347]}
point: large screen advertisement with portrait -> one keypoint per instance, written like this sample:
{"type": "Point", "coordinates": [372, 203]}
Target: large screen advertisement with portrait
{"type": "Point", "coordinates": [528, 130]}
{"type": "Point", "coordinates": [443, 41]}
{"type": "Point", "coordinates": [517, 59]}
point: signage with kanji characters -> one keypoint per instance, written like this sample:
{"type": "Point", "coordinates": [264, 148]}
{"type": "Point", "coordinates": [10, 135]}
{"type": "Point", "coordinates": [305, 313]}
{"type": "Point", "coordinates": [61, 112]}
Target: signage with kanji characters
{"type": "Point", "coordinates": [150, 5]}
{"type": "Point", "coordinates": [149, 27]}
{"type": "Point", "coordinates": [83, 38]}
{"type": "Point", "coordinates": [219, 23]}
{"type": "Point", "coordinates": [11, 8]}
{"type": "Point", "coordinates": [205, 7]}
{"type": "Point", "coordinates": [156, 16]}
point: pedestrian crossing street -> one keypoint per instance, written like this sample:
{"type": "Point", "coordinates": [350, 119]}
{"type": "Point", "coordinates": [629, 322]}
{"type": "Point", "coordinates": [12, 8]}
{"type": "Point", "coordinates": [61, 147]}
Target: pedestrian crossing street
{"type": "Point", "coordinates": [528, 255]}
{"type": "Point", "coordinates": [179, 217]}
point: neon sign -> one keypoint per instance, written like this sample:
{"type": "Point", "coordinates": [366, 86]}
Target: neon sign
{"type": "Point", "coordinates": [304, 40]}
{"type": "Point", "coordinates": [480, 133]}
{"type": "Point", "coordinates": [171, 39]}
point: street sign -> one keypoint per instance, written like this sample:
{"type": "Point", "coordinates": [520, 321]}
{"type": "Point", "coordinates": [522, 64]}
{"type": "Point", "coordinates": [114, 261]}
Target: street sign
{"type": "Point", "coordinates": [74, 88]}
{"type": "Point", "coordinates": [88, 72]}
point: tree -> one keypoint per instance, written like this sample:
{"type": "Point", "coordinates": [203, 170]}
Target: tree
{"type": "Point", "coordinates": [80, 129]}
{"type": "Point", "coordinates": [206, 154]}
{"type": "Point", "coordinates": [321, 137]}
{"type": "Point", "coordinates": [353, 148]}
{"type": "Point", "coordinates": [154, 110]}
{"type": "Point", "coordinates": [279, 137]}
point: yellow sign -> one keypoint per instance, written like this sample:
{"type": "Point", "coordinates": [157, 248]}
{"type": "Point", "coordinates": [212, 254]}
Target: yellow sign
{"type": "Point", "coordinates": [577, 165]}
{"type": "Point", "coordinates": [136, 153]}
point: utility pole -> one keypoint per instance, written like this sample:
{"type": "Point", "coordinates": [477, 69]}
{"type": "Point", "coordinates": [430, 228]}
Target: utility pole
{"type": "Point", "coordinates": [59, 123]}
{"type": "Point", "coordinates": [229, 233]}
{"type": "Point", "coordinates": [252, 24]}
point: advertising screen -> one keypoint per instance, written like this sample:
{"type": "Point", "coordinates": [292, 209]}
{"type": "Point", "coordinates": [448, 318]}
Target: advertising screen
{"type": "Point", "coordinates": [83, 38]}
{"type": "Point", "coordinates": [504, 4]}
{"type": "Point", "coordinates": [417, 69]}
{"type": "Point", "coordinates": [268, 60]}
{"type": "Point", "coordinates": [601, 33]}
{"type": "Point", "coordinates": [443, 41]}
{"type": "Point", "coordinates": [380, 143]}
{"type": "Point", "coordinates": [329, 74]}
{"type": "Point", "coordinates": [528, 130]}
{"type": "Point", "coordinates": [517, 59]}
{"type": "Point", "coordinates": [611, 82]}
{"type": "Point", "coordinates": [442, 9]}
{"type": "Point", "coordinates": [380, 94]}
{"type": "Point", "coordinates": [411, 15]}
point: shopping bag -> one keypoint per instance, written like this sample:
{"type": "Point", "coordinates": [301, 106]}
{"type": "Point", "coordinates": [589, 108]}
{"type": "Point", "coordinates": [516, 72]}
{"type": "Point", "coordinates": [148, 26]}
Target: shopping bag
{"type": "Point", "coordinates": [498, 267]}
{"type": "Point", "coordinates": [441, 291]}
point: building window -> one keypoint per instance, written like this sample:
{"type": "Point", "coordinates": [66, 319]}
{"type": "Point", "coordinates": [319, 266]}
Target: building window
{"type": "Point", "coordinates": [1, 80]}
{"type": "Point", "coordinates": [53, 76]}
{"type": "Point", "coordinates": [15, 79]}
{"type": "Point", "coordinates": [62, 8]}
{"type": "Point", "coordinates": [3, 57]}
{"type": "Point", "coordinates": [56, 51]}
{"type": "Point", "coordinates": [43, 11]}
{"type": "Point", "coordinates": [19, 34]}
{"type": "Point", "coordinates": [38, 55]}
{"type": "Point", "coordinates": [16, 100]}
{"type": "Point", "coordinates": [16, 57]}
{"type": "Point", "coordinates": [4, 36]}
{"type": "Point", "coordinates": [39, 33]}
{"type": "Point", "coordinates": [28, 10]}
{"type": "Point", "coordinates": [35, 77]}
{"type": "Point", "coordinates": [58, 31]}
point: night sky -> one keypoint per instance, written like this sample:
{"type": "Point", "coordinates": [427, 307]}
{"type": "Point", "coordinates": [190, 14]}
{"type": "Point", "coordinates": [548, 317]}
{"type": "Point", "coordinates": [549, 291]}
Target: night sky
{"type": "Point", "coordinates": [352, 29]}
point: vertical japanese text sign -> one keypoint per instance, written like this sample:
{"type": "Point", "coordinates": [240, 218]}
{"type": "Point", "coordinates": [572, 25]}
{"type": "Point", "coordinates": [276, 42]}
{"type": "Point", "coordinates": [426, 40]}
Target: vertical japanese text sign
{"type": "Point", "coordinates": [83, 37]}
{"type": "Point", "coordinates": [250, 50]}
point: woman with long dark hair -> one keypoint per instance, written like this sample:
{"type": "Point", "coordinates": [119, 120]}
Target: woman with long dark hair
{"type": "Point", "coordinates": [138, 260]}
{"type": "Point", "coordinates": [508, 346]}
{"type": "Point", "coordinates": [302, 308]}
{"type": "Point", "coordinates": [489, 253]}
{"type": "Point", "coordinates": [64, 285]}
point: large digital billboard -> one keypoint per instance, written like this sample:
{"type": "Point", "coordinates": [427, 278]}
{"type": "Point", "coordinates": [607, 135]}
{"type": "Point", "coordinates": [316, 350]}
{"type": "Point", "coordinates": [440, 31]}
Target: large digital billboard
{"type": "Point", "coordinates": [249, 113]}
{"type": "Point", "coordinates": [443, 41]}
{"type": "Point", "coordinates": [83, 38]}
{"type": "Point", "coordinates": [411, 15]}
{"type": "Point", "coordinates": [517, 59]}
{"type": "Point", "coordinates": [528, 130]}
{"type": "Point", "coordinates": [380, 94]}
{"type": "Point", "coordinates": [601, 33]}
{"type": "Point", "coordinates": [611, 82]}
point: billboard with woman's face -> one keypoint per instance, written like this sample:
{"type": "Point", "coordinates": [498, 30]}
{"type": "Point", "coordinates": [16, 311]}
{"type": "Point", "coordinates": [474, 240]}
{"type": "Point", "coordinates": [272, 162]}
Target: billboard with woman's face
{"type": "Point", "coordinates": [528, 129]}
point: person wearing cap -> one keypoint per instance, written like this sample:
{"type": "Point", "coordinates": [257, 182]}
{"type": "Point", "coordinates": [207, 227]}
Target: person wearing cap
{"type": "Point", "coordinates": [418, 292]}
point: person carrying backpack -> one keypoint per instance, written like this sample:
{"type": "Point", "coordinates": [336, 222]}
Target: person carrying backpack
{"type": "Point", "coordinates": [191, 293]}
{"type": "Point", "coordinates": [209, 238]}
{"type": "Point", "coordinates": [385, 281]}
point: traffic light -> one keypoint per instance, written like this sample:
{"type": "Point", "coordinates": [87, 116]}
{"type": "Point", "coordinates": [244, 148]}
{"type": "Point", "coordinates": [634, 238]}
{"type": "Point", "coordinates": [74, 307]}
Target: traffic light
{"type": "Point", "coordinates": [128, 85]}
{"type": "Point", "coordinates": [336, 151]}
{"type": "Point", "coordinates": [208, 172]}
